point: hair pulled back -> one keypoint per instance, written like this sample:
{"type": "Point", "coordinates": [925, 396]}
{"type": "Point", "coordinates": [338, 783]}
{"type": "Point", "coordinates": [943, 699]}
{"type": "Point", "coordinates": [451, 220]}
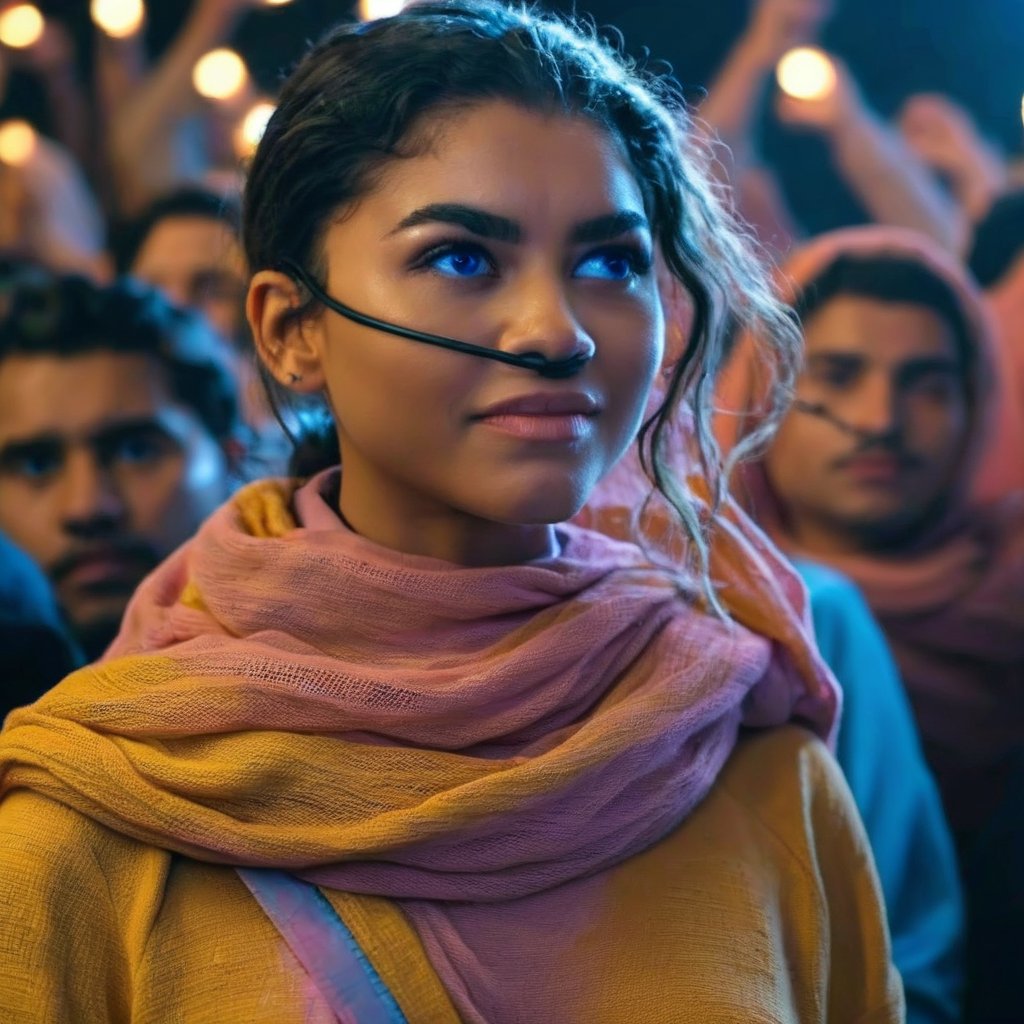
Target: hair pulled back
{"type": "Point", "coordinates": [367, 94]}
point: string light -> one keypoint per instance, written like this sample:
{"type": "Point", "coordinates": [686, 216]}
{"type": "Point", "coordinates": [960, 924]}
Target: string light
{"type": "Point", "coordinates": [21, 26]}
{"type": "Point", "coordinates": [18, 141]}
{"type": "Point", "coordinates": [806, 73]}
{"type": "Point", "coordinates": [371, 10]}
{"type": "Point", "coordinates": [118, 18]}
{"type": "Point", "coordinates": [251, 128]}
{"type": "Point", "coordinates": [220, 74]}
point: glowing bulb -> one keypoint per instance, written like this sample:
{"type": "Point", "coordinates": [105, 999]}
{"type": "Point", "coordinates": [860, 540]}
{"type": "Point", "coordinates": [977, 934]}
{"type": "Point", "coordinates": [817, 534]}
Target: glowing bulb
{"type": "Point", "coordinates": [118, 18]}
{"type": "Point", "coordinates": [219, 74]}
{"type": "Point", "coordinates": [18, 141]}
{"type": "Point", "coordinates": [370, 10]}
{"type": "Point", "coordinates": [21, 26]}
{"type": "Point", "coordinates": [1022, 109]}
{"type": "Point", "coordinates": [251, 128]}
{"type": "Point", "coordinates": [806, 74]}
{"type": "Point", "coordinates": [276, 3]}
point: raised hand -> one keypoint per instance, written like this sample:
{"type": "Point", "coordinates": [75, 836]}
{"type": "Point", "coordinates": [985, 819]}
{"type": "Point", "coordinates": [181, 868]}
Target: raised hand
{"type": "Point", "coordinates": [943, 134]}
{"type": "Point", "coordinates": [829, 113]}
{"type": "Point", "coordinates": [776, 26]}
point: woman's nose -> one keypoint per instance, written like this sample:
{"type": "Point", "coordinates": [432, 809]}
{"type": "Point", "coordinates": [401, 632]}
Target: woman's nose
{"type": "Point", "coordinates": [541, 320]}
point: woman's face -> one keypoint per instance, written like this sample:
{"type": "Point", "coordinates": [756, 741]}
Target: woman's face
{"type": "Point", "coordinates": [513, 230]}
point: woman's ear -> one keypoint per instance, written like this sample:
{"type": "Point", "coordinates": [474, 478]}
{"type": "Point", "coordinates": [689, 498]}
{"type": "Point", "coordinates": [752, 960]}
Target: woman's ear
{"type": "Point", "coordinates": [290, 346]}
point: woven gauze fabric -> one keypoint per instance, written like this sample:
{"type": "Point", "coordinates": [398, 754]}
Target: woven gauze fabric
{"type": "Point", "coordinates": [394, 725]}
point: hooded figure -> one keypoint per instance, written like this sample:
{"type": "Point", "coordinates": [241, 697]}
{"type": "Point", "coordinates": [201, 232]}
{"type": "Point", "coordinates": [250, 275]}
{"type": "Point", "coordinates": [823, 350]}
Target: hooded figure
{"type": "Point", "coordinates": [875, 471]}
{"type": "Point", "coordinates": [944, 578]}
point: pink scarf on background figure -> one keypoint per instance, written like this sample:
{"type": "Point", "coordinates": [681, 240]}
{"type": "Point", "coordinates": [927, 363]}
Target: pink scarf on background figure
{"type": "Point", "coordinates": [953, 607]}
{"type": "Point", "coordinates": [1006, 304]}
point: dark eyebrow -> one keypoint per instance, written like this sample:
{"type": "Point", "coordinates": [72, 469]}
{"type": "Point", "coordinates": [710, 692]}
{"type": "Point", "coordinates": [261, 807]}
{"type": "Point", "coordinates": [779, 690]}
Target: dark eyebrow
{"type": "Point", "coordinates": [929, 364]}
{"type": "Point", "coordinates": [15, 450]}
{"type": "Point", "coordinates": [601, 229]}
{"type": "Point", "coordinates": [18, 448]}
{"type": "Point", "coordinates": [501, 229]}
{"type": "Point", "coordinates": [122, 429]}
{"type": "Point", "coordinates": [479, 222]}
{"type": "Point", "coordinates": [835, 358]}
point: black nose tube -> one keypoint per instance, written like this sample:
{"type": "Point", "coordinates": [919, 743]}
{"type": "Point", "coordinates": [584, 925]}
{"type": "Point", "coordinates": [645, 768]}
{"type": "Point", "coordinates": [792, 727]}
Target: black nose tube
{"type": "Point", "coordinates": [823, 412]}
{"type": "Point", "coordinates": [556, 369]}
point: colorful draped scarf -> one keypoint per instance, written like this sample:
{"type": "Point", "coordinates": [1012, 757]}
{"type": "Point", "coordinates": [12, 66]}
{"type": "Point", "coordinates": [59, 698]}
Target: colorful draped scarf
{"type": "Point", "coordinates": [296, 697]}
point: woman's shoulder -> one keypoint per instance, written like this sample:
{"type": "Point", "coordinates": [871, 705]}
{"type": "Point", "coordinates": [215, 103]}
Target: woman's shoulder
{"type": "Point", "coordinates": [51, 852]}
{"type": "Point", "coordinates": [814, 859]}
{"type": "Point", "coordinates": [78, 905]}
{"type": "Point", "coordinates": [778, 770]}
{"type": "Point", "coordinates": [790, 787]}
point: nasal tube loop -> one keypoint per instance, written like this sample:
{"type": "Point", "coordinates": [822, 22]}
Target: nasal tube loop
{"type": "Point", "coordinates": [555, 369]}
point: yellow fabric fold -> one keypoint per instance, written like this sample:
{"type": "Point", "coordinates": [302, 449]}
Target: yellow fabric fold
{"type": "Point", "coordinates": [763, 906]}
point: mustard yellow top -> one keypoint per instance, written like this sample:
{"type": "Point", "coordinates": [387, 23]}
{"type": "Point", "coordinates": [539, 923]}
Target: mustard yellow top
{"type": "Point", "coordinates": [762, 907]}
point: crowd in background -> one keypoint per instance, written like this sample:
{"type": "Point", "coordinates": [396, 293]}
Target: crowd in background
{"type": "Point", "coordinates": [131, 407]}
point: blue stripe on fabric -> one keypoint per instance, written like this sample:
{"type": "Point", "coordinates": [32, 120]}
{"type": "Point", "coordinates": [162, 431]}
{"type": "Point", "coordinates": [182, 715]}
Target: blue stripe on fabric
{"type": "Point", "coordinates": [323, 944]}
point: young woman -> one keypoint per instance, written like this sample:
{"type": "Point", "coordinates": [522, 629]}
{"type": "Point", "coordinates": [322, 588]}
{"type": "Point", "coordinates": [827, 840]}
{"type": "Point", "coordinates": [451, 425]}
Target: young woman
{"type": "Point", "coordinates": [392, 744]}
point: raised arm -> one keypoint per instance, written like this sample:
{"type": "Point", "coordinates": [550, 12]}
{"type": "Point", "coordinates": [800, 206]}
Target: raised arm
{"type": "Point", "coordinates": [52, 60]}
{"type": "Point", "coordinates": [737, 92]}
{"type": "Point", "coordinates": [885, 174]}
{"type": "Point", "coordinates": [144, 145]}
{"type": "Point", "coordinates": [944, 135]}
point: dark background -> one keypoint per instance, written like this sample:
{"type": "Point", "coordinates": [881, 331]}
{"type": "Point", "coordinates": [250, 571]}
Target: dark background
{"type": "Point", "coordinates": [973, 50]}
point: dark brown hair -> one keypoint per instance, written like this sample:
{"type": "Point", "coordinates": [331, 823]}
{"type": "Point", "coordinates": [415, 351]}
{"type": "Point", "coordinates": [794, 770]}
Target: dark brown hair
{"type": "Point", "coordinates": [364, 96]}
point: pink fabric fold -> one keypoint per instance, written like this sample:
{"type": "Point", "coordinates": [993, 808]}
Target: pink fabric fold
{"type": "Point", "coordinates": [515, 728]}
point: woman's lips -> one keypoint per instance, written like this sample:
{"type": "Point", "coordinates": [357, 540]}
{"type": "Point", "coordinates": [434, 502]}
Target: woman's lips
{"type": "Point", "coordinates": [541, 427]}
{"type": "Point", "coordinates": [543, 416]}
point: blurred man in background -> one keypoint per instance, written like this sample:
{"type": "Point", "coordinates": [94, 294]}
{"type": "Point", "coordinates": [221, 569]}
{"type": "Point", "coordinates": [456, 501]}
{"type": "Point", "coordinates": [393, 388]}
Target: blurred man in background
{"type": "Point", "coordinates": [186, 244]}
{"type": "Point", "coordinates": [118, 435]}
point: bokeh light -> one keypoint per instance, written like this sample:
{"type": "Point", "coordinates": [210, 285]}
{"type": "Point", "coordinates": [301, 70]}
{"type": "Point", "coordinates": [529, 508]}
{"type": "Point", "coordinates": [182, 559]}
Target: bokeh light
{"type": "Point", "coordinates": [21, 26]}
{"type": "Point", "coordinates": [806, 73]}
{"type": "Point", "coordinates": [251, 128]}
{"type": "Point", "coordinates": [370, 10]}
{"type": "Point", "coordinates": [18, 142]}
{"type": "Point", "coordinates": [220, 74]}
{"type": "Point", "coordinates": [118, 18]}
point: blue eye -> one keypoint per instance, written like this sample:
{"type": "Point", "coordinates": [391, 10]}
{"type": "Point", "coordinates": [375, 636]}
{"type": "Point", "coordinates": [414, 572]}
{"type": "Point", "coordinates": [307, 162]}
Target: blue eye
{"type": "Point", "coordinates": [461, 262]}
{"type": "Point", "coordinates": [610, 265]}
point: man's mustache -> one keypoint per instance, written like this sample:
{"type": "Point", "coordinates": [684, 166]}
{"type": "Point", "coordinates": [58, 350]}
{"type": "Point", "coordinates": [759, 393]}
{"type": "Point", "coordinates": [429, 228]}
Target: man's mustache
{"type": "Point", "coordinates": [888, 442]}
{"type": "Point", "coordinates": [119, 551]}
{"type": "Point", "coordinates": [885, 444]}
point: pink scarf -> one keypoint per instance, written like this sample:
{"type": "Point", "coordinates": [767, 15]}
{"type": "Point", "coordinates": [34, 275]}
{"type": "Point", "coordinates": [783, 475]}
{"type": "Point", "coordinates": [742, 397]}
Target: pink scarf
{"type": "Point", "coordinates": [518, 727]}
{"type": "Point", "coordinates": [297, 697]}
